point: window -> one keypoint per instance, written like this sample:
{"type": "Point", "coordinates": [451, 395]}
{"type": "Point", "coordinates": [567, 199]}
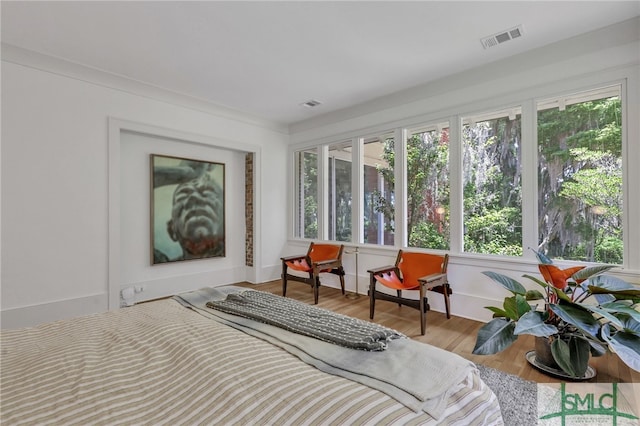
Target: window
{"type": "Point", "coordinates": [492, 183]}
{"type": "Point", "coordinates": [580, 176]}
{"type": "Point", "coordinates": [573, 176]}
{"type": "Point", "coordinates": [427, 163]}
{"type": "Point", "coordinates": [307, 193]}
{"type": "Point", "coordinates": [340, 192]}
{"type": "Point", "coordinates": [379, 199]}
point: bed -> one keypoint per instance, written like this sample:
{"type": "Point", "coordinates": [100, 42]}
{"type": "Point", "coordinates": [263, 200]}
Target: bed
{"type": "Point", "coordinates": [177, 361]}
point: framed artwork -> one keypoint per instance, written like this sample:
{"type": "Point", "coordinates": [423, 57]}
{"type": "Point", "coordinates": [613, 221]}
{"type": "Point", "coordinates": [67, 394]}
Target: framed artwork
{"type": "Point", "coordinates": [187, 209]}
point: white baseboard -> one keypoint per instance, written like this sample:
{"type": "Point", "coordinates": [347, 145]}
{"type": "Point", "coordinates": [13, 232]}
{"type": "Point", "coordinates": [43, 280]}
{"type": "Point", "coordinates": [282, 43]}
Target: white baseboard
{"type": "Point", "coordinates": [28, 316]}
{"type": "Point", "coordinates": [169, 286]}
{"type": "Point", "coordinates": [462, 305]}
{"type": "Point", "coordinates": [269, 273]}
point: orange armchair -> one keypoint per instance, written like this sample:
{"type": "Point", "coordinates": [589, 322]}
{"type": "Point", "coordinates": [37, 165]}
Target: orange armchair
{"type": "Point", "coordinates": [320, 258]}
{"type": "Point", "coordinates": [412, 271]}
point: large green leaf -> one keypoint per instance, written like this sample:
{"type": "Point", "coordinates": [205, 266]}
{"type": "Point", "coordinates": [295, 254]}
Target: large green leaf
{"type": "Point", "coordinates": [618, 294]}
{"type": "Point", "coordinates": [629, 324]}
{"type": "Point", "coordinates": [585, 273]}
{"type": "Point", "coordinates": [533, 323]}
{"type": "Point", "coordinates": [495, 336]}
{"type": "Point", "coordinates": [536, 280]}
{"type": "Point", "coordinates": [623, 307]}
{"type": "Point", "coordinates": [607, 315]}
{"type": "Point", "coordinates": [510, 307]}
{"type": "Point", "coordinates": [609, 282]}
{"type": "Point", "coordinates": [579, 354]}
{"type": "Point", "coordinates": [606, 284]}
{"type": "Point", "coordinates": [562, 355]}
{"type": "Point", "coordinates": [516, 306]}
{"type": "Point", "coordinates": [497, 312]}
{"type": "Point", "coordinates": [521, 305]}
{"type": "Point", "coordinates": [507, 282]}
{"type": "Point", "coordinates": [576, 316]}
{"type": "Point", "coordinates": [627, 346]}
{"type": "Point", "coordinates": [534, 295]}
{"type": "Point", "coordinates": [600, 298]}
{"type": "Point", "coordinates": [561, 294]}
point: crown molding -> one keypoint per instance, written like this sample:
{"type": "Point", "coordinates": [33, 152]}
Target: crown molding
{"type": "Point", "coordinates": [43, 62]}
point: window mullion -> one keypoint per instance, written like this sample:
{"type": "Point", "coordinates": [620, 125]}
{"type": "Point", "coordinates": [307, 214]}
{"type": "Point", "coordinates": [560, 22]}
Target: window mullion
{"type": "Point", "coordinates": [529, 165]}
{"type": "Point", "coordinates": [357, 184]}
{"type": "Point", "coordinates": [299, 161]}
{"type": "Point", "coordinates": [631, 175]}
{"type": "Point", "coordinates": [323, 192]}
{"type": "Point", "coordinates": [456, 197]}
{"type": "Point", "coordinates": [400, 175]}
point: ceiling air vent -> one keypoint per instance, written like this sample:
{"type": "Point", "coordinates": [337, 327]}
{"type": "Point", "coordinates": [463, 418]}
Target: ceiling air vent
{"type": "Point", "coordinates": [311, 104]}
{"type": "Point", "coordinates": [502, 37]}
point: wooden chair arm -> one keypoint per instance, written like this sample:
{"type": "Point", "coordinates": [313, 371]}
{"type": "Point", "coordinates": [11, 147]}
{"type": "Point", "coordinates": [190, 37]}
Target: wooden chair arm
{"type": "Point", "coordinates": [433, 280]}
{"type": "Point", "coordinates": [296, 257]}
{"type": "Point", "coordinates": [382, 269]}
{"type": "Point", "coordinates": [326, 262]}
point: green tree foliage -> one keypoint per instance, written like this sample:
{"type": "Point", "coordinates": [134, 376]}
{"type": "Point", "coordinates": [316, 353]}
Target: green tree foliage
{"type": "Point", "coordinates": [309, 178]}
{"type": "Point", "coordinates": [341, 170]}
{"type": "Point", "coordinates": [491, 193]}
{"type": "Point", "coordinates": [382, 202]}
{"type": "Point", "coordinates": [427, 188]}
{"type": "Point", "coordinates": [580, 181]}
{"type": "Point", "coordinates": [492, 187]}
{"type": "Point", "coordinates": [579, 185]}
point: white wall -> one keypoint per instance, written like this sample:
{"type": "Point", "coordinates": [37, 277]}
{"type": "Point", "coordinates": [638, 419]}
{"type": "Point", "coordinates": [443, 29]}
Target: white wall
{"type": "Point", "coordinates": [610, 55]}
{"type": "Point", "coordinates": [57, 233]}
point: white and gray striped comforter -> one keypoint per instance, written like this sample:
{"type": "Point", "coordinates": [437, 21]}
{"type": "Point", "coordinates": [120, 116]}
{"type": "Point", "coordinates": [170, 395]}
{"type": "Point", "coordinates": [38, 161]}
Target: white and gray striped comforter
{"type": "Point", "coordinates": [159, 363]}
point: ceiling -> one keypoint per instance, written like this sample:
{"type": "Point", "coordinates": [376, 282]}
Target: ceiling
{"type": "Point", "coordinates": [266, 58]}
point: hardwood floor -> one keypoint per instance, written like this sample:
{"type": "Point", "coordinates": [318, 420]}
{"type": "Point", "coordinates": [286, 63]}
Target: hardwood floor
{"type": "Point", "coordinates": [457, 334]}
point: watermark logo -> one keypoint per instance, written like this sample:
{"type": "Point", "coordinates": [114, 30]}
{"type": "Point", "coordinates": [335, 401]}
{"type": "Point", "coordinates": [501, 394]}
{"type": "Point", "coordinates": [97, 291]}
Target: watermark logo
{"type": "Point", "coordinates": [593, 404]}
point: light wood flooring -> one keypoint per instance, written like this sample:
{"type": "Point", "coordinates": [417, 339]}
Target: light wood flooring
{"type": "Point", "coordinates": [457, 334]}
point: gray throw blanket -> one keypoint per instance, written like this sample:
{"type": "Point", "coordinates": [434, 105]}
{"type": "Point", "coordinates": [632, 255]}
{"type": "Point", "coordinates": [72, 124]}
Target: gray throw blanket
{"type": "Point", "coordinates": [418, 375]}
{"type": "Point", "coordinates": [307, 320]}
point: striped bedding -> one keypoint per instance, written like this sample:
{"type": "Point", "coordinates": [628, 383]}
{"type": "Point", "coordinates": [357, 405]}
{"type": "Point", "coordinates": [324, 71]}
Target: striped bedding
{"type": "Point", "coordinates": [158, 363]}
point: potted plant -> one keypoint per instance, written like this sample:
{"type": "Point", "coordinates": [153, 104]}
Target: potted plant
{"type": "Point", "coordinates": [580, 312]}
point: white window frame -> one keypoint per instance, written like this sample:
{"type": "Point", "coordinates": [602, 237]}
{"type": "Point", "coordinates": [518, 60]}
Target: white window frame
{"type": "Point", "coordinates": [527, 100]}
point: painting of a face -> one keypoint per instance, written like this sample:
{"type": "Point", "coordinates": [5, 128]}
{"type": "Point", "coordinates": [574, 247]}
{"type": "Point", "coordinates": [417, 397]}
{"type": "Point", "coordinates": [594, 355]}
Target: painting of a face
{"type": "Point", "coordinates": [187, 210]}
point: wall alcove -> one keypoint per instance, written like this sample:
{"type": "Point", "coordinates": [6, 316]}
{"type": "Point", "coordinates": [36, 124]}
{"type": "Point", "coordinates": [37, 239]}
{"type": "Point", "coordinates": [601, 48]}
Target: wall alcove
{"type": "Point", "coordinates": [130, 147]}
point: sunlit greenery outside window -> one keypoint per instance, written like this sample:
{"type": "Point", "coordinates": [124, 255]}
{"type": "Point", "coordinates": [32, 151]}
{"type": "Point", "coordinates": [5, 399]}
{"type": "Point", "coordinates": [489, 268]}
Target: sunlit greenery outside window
{"type": "Point", "coordinates": [340, 192]}
{"type": "Point", "coordinates": [578, 173]}
{"type": "Point", "coordinates": [428, 187]}
{"type": "Point", "coordinates": [307, 193]}
{"type": "Point", "coordinates": [379, 196]}
{"type": "Point", "coordinates": [491, 175]}
{"type": "Point", "coordinates": [580, 191]}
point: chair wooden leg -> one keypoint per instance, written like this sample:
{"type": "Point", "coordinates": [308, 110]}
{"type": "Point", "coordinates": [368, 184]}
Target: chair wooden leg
{"type": "Point", "coordinates": [423, 314]}
{"type": "Point", "coordinates": [342, 279]}
{"type": "Point", "coordinates": [446, 300]}
{"type": "Point", "coordinates": [316, 291]}
{"type": "Point", "coordinates": [284, 279]}
{"type": "Point", "coordinates": [399, 292]}
{"type": "Point", "coordinates": [372, 296]}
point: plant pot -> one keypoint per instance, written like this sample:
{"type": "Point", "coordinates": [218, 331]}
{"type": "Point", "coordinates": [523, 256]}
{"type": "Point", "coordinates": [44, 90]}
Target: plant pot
{"type": "Point", "coordinates": [542, 359]}
{"type": "Point", "coordinates": [543, 353]}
